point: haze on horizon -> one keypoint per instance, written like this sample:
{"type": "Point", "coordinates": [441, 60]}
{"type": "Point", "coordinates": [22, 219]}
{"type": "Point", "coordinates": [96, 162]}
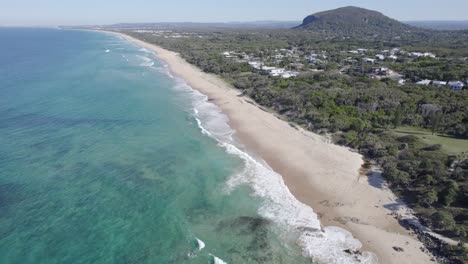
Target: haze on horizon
{"type": "Point", "coordinates": [91, 12]}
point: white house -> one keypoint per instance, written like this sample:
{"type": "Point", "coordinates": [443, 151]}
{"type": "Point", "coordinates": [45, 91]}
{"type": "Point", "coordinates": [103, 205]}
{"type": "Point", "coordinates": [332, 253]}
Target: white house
{"type": "Point", "coordinates": [273, 71]}
{"type": "Point", "coordinates": [289, 74]}
{"type": "Point", "coordinates": [439, 83]}
{"type": "Point", "coordinates": [429, 55]}
{"type": "Point", "coordinates": [424, 82]}
{"type": "Point", "coordinates": [350, 60]}
{"type": "Point", "coordinates": [393, 57]}
{"type": "Point", "coordinates": [267, 68]}
{"type": "Point", "coordinates": [416, 54]}
{"type": "Point", "coordinates": [380, 57]}
{"type": "Point", "coordinates": [314, 60]}
{"type": "Point", "coordinates": [255, 64]}
{"type": "Point", "coordinates": [456, 85]}
{"type": "Point", "coordinates": [395, 51]}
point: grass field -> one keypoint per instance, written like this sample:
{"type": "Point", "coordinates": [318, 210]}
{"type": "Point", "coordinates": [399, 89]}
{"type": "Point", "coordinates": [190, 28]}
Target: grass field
{"type": "Point", "coordinates": [449, 144]}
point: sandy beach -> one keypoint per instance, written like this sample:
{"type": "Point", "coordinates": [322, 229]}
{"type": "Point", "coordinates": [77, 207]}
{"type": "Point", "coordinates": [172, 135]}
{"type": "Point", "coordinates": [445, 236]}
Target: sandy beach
{"type": "Point", "coordinates": [322, 175]}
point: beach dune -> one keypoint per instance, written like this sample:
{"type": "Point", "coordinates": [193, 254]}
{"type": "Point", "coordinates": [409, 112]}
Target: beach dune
{"type": "Point", "coordinates": [319, 174]}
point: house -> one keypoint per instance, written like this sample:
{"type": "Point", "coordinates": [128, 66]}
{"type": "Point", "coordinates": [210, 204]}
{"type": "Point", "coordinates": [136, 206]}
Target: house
{"type": "Point", "coordinates": [368, 60]}
{"type": "Point", "coordinates": [393, 57]}
{"type": "Point", "coordinates": [273, 71]}
{"type": "Point", "coordinates": [256, 65]}
{"type": "Point", "coordinates": [350, 60]}
{"type": "Point", "coordinates": [268, 69]}
{"type": "Point", "coordinates": [380, 71]}
{"type": "Point", "coordinates": [424, 82]}
{"type": "Point", "coordinates": [296, 65]}
{"type": "Point", "coordinates": [345, 69]}
{"type": "Point", "coordinates": [314, 60]}
{"type": "Point", "coordinates": [401, 81]}
{"type": "Point", "coordinates": [416, 54]}
{"type": "Point", "coordinates": [439, 83]}
{"type": "Point", "coordinates": [289, 74]}
{"type": "Point", "coordinates": [394, 51]}
{"type": "Point", "coordinates": [420, 54]}
{"type": "Point", "coordinates": [429, 55]}
{"type": "Point", "coordinates": [456, 85]}
{"type": "Point", "coordinates": [380, 57]}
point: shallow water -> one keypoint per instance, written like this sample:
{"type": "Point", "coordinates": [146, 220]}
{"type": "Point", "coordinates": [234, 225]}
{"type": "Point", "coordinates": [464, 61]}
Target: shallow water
{"type": "Point", "coordinates": [105, 157]}
{"type": "Point", "coordinates": [103, 160]}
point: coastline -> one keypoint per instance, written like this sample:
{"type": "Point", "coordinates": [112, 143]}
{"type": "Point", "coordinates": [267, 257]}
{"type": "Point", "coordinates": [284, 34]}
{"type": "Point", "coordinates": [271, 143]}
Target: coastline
{"type": "Point", "coordinates": [321, 175]}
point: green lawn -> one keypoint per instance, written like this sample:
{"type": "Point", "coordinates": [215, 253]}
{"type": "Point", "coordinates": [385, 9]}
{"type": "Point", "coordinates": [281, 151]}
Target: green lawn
{"type": "Point", "coordinates": [449, 144]}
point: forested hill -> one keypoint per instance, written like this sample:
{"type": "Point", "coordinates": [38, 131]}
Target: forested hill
{"type": "Point", "coordinates": [350, 21]}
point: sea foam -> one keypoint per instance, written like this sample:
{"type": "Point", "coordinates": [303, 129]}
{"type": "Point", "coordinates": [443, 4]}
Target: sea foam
{"type": "Point", "coordinates": [201, 244]}
{"type": "Point", "coordinates": [147, 62]}
{"type": "Point", "coordinates": [323, 245]}
{"type": "Point", "coordinates": [217, 260]}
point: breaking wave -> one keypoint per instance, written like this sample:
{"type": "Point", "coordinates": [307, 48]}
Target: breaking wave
{"type": "Point", "coordinates": [324, 245]}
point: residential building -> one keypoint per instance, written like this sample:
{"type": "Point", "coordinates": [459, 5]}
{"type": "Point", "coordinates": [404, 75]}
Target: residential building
{"type": "Point", "coordinates": [424, 82]}
{"type": "Point", "coordinates": [380, 57]}
{"type": "Point", "coordinates": [439, 83]}
{"type": "Point", "coordinates": [456, 85]}
{"type": "Point", "coordinates": [380, 70]}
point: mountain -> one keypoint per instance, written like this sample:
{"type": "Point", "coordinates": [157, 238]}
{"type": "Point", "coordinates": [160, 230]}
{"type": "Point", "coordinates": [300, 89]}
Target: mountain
{"type": "Point", "coordinates": [352, 20]}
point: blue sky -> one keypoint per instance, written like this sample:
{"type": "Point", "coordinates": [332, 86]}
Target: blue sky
{"type": "Point", "coordinates": [66, 12]}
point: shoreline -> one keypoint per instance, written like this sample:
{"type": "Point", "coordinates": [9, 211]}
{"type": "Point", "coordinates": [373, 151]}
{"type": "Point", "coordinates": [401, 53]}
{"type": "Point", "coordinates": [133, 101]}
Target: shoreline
{"type": "Point", "coordinates": [321, 175]}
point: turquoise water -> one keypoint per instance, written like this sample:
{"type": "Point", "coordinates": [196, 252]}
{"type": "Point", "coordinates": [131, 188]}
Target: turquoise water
{"type": "Point", "coordinates": [103, 161]}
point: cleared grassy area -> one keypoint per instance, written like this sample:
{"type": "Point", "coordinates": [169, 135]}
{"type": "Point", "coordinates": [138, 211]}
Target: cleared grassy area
{"type": "Point", "coordinates": [449, 144]}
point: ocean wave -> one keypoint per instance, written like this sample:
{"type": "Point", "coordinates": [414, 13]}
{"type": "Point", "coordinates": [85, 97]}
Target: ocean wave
{"type": "Point", "coordinates": [323, 245]}
{"type": "Point", "coordinates": [334, 245]}
{"type": "Point", "coordinates": [145, 50]}
{"type": "Point", "coordinates": [164, 69]}
{"type": "Point", "coordinates": [217, 260]}
{"type": "Point", "coordinates": [147, 62]}
{"type": "Point", "coordinates": [200, 243]}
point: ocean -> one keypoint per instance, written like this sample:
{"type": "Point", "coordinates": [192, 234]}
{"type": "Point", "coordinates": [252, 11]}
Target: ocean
{"type": "Point", "coordinates": [106, 157]}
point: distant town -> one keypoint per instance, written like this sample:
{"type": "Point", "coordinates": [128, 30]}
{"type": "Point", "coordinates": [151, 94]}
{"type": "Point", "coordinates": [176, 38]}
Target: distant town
{"type": "Point", "coordinates": [290, 62]}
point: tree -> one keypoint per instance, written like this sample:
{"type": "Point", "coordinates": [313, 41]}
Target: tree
{"type": "Point", "coordinates": [435, 121]}
{"type": "Point", "coordinates": [443, 220]}
{"type": "Point", "coordinates": [449, 194]}
{"type": "Point", "coordinates": [428, 198]}
{"type": "Point", "coordinates": [395, 176]}
{"type": "Point", "coordinates": [398, 117]}
{"type": "Point", "coordinates": [357, 125]}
